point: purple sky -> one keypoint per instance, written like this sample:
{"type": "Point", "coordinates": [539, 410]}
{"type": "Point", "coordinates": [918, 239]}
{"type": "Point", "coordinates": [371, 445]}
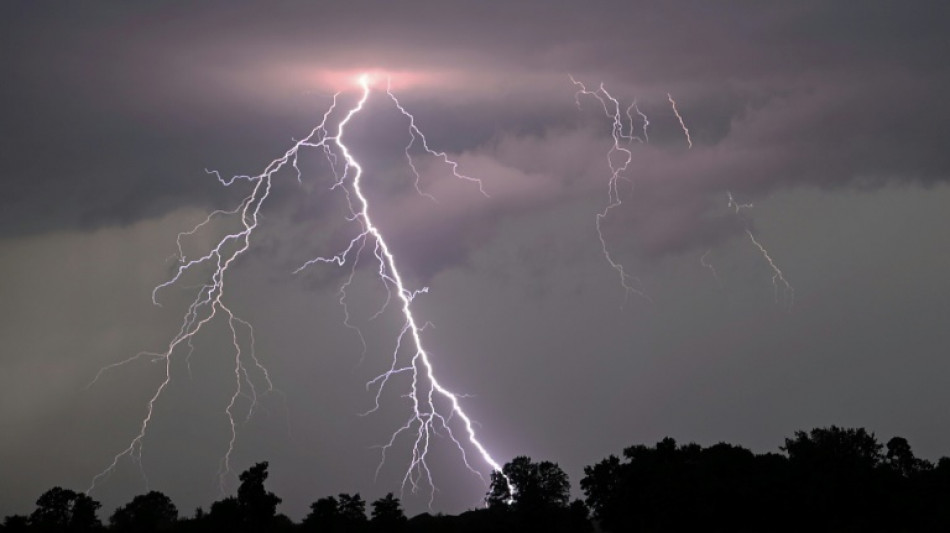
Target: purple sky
{"type": "Point", "coordinates": [828, 117]}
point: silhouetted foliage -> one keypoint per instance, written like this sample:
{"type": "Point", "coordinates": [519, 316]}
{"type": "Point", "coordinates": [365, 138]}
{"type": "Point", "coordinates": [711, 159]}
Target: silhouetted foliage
{"type": "Point", "coordinates": [225, 515]}
{"type": "Point", "coordinates": [901, 459]}
{"type": "Point", "coordinates": [258, 507]}
{"type": "Point", "coordinates": [537, 486]}
{"type": "Point", "coordinates": [832, 479]}
{"type": "Point", "coordinates": [195, 524]}
{"type": "Point", "coordinates": [62, 510]}
{"type": "Point", "coordinates": [345, 513]}
{"type": "Point", "coordinates": [281, 523]}
{"type": "Point", "coordinates": [352, 509]}
{"type": "Point", "coordinates": [387, 514]}
{"type": "Point", "coordinates": [146, 513]}
{"type": "Point", "coordinates": [15, 524]}
{"type": "Point", "coordinates": [324, 515]}
{"type": "Point", "coordinates": [835, 448]}
{"type": "Point", "coordinates": [835, 479]}
{"type": "Point", "coordinates": [827, 480]}
{"type": "Point", "coordinates": [539, 498]}
{"type": "Point", "coordinates": [253, 510]}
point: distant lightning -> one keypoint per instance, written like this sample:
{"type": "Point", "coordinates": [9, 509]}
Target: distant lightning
{"type": "Point", "coordinates": [778, 277]}
{"type": "Point", "coordinates": [426, 418]}
{"type": "Point", "coordinates": [416, 134]}
{"type": "Point", "coordinates": [622, 135]}
{"type": "Point", "coordinates": [705, 263]}
{"type": "Point", "coordinates": [646, 121]}
{"type": "Point", "coordinates": [621, 139]}
{"type": "Point", "coordinates": [736, 205]}
{"type": "Point", "coordinates": [680, 118]}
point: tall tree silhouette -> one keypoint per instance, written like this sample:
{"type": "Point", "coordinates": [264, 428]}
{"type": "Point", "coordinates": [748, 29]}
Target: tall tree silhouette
{"type": "Point", "coordinates": [258, 507]}
{"type": "Point", "coordinates": [253, 510]}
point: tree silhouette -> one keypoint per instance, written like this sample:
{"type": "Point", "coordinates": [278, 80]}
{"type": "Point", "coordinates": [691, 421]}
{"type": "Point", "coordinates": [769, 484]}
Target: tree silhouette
{"type": "Point", "coordinates": [62, 510]}
{"type": "Point", "coordinates": [684, 488]}
{"type": "Point", "coordinates": [254, 509]}
{"type": "Point", "coordinates": [258, 507]}
{"type": "Point", "coordinates": [146, 513]}
{"type": "Point", "coordinates": [352, 511]}
{"type": "Point", "coordinates": [836, 479]}
{"type": "Point", "coordinates": [539, 502]}
{"type": "Point", "coordinates": [345, 513]}
{"type": "Point", "coordinates": [15, 524]}
{"type": "Point", "coordinates": [828, 480]}
{"type": "Point", "coordinates": [225, 515]}
{"type": "Point", "coordinates": [324, 515]}
{"type": "Point", "coordinates": [607, 487]}
{"type": "Point", "coordinates": [901, 460]}
{"type": "Point", "coordinates": [387, 515]}
{"type": "Point", "coordinates": [537, 486]}
{"type": "Point", "coordinates": [836, 448]}
{"type": "Point", "coordinates": [832, 479]}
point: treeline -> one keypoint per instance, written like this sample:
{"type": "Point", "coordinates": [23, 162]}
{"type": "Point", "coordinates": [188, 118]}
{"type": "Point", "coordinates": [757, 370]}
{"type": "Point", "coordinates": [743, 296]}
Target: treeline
{"type": "Point", "coordinates": [829, 479]}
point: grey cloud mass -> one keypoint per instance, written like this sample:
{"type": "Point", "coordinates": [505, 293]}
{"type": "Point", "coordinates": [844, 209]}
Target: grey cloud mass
{"type": "Point", "coordinates": [828, 117]}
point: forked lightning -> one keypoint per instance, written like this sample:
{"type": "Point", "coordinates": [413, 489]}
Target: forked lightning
{"type": "Point", "coordinates": [433, 405]}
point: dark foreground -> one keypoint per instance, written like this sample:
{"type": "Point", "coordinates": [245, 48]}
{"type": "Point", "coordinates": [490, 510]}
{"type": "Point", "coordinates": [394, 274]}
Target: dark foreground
{"type": "Point", "coordinates": [826, 480]}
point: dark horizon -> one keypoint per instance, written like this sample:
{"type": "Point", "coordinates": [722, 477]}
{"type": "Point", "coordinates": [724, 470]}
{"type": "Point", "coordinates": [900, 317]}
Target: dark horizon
{"type": "Point", "coordinates": [825, 479]}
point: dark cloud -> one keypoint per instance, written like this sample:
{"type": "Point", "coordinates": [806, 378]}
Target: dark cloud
{"type": "Point", "coordinates": [113, 114]}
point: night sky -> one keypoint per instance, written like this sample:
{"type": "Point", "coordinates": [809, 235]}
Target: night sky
{"type": "Point", "coordinates": [829, 117]}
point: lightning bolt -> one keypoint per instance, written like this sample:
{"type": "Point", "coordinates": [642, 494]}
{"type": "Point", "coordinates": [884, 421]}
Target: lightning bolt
{"type": "Point", "coordinates": [433, 405]}
{"type": "Point", "coordinates": [425, 418]}
{"type": "Point", "coordinates": [622, 135]}
{"type": "Point", "coordinates": [736, 205]}
{"type": "Point", "coordinates": [646, 121]}
{"type": "Point", "coordinates": [705, 263]}
{"type": "Point", "coordinates": [621, 140]}
{"type": "Point", "coordinates": [680, 118]}
{"type": "Point", "coordinates": [415, 134]}
{"type": "Point", "coordinates": [778, 277]}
